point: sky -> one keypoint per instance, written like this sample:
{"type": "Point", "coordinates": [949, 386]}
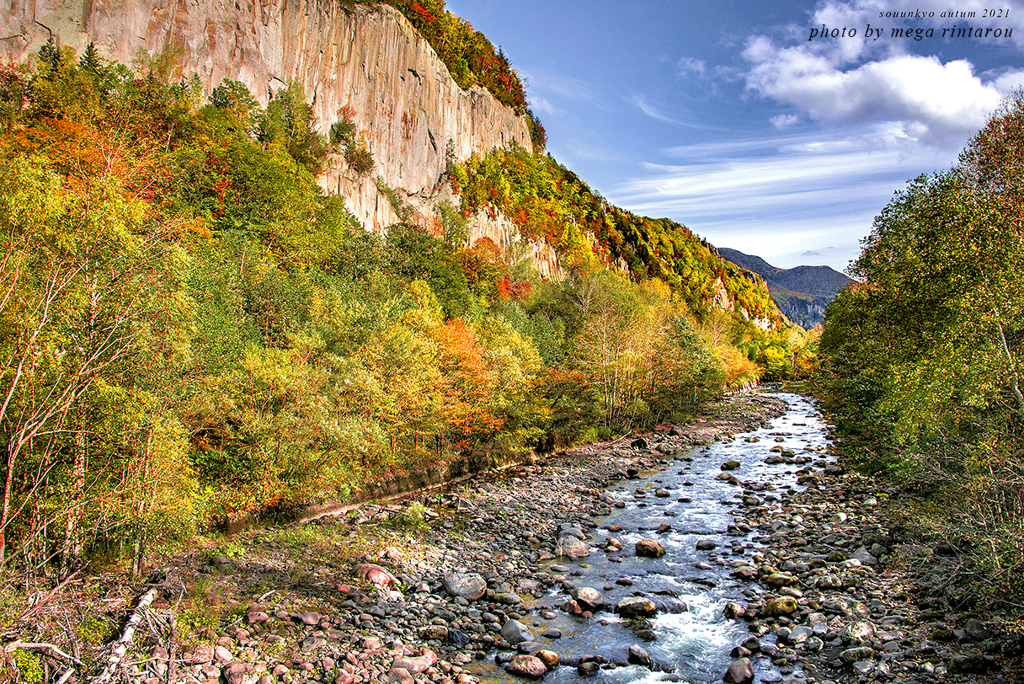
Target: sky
{"type": "Point", "coordinates": [745, 123]}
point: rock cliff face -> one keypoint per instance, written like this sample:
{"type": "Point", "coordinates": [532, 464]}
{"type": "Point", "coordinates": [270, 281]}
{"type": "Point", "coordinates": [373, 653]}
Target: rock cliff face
{"type": "Point", "coordinates": [367, 62]}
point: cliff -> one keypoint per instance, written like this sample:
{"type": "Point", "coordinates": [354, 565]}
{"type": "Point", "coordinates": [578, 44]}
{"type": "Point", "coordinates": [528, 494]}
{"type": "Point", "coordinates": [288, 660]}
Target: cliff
{"type": "Point", "coordinates": [369, 63]}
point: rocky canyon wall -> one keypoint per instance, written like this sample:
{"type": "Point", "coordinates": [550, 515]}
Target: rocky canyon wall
{"type": "Point", "coordinates": [367, 62]}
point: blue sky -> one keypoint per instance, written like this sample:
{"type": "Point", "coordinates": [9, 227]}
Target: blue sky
{"type": "Point", "coordinates": [725, 117]}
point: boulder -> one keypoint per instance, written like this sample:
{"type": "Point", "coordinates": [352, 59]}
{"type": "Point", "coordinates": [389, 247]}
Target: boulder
{"type": "Point", "coordinates": [571, 547]}
{"type": "Point", "coordinates": [588, 598]}
{"type": "Point", "coordinates": [635, 607]}
{"type": "Point", "coordinates": [649, 548]}
{"type": "Point", "coordinates": [468, 585]}
{"type": "Point", "coordinates": [781, 605]}
{"type": "Point", "coordinates": [638, 656]}
{"type": "Point", "coordinates": [526, 666]}
{"type": "Point", "coordinates": [376, 575]}
{"type": "Point", "coordinates": [515, 632]}
{"type": "Point", "coordinates": [740, 672]}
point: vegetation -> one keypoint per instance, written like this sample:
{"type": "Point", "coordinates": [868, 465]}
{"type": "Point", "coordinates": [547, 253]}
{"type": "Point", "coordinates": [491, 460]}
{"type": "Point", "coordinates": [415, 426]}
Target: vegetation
{"type": "Point", "coordinates": [549, 202]}
{"type": "Point", "coordinates": [190, 328]}
{"type": "Point", "coordinates": [921, 362]}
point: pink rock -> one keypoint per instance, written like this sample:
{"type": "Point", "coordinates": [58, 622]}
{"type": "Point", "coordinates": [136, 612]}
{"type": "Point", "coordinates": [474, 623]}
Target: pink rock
{"type": "Point", "coordinates": [374, 574]}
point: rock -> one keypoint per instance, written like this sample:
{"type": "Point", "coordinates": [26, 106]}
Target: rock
{"type": "Point", "coordinates": [730, 465]}
{"type": "Point", "coordinates": [239, 673]}
{"type": "Point", "coordinates": [976, 630]}
{"type": "Point", "coordinates": [781, 605]}
{"type": "Point", "coordinates": [972, 663]}
{"type": "Point", "coordinates": [550, 659]}
{"type": "Point", "coordinates": [649, 548]}
{"type": "Point", "coordinates": [415, 665]}
{"type": "Point", "coordinates": [468, 585]}
{"type": "Point", "coordinates": [636, 607]}
{"type": "Point", "coordinates": [572, 608]}
{"type": "Point", "coordinates": [858, 632]}
{"type": "Point", "coordinates": [706, 545]}
{"type": "Point", "coordinates": [436, 632]}
{"type": "Point", "coordinates": [376, 575]}
{"type": "Point", "coordinates": [740, 672]}
{"type": "Point", "coordinates": [638, 656]}
{"type": "Point", "coordinates": [662, 493]}
{"type": "Point", "coordinates": [588, 598]}
{"type": "Point", "coordinates": [515, 632]}
{"type": "Point", "coordinates": [310, 619]}
{"type": "Point", "coordinates": [781, 579]}
{"type": "Point", "coordinates": [864, 556]}
{"type": "Point", "coordinates": [588, 669]}
{"type": "Point", "coordinates": [572, 547]}
{"type": "Point", "coordinates": [526, 666]}
{"type": "Point", "coordinates": [222, 655]}
{"type": "Point", "coordinates": [201, 654]}
{"type": "Point", "coordinates": [733, 611]}
{"type": "Point", "coordinates": [747, 572]}
{"type": "Point", "coordinates": [799, 634]}
{"type": "Point", "coordinates": [399, 675]}
{"type": "Point", "coordinates": [852, 655]}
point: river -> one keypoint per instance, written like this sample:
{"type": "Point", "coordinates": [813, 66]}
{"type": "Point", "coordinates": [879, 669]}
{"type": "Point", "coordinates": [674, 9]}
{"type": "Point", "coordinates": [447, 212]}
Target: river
{"type": "Point", "coordinates": [694, 645]}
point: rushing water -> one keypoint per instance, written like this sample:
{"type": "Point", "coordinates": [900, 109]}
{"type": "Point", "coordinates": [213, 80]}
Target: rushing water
{"type": "Point", "coordinates": [693, 645]}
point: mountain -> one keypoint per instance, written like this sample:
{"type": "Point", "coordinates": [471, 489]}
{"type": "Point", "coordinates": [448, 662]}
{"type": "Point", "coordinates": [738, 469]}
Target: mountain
{"type": "Point", "coordinates": [801, 293]}
{"type": "Point", "coordinates": [374, 68]}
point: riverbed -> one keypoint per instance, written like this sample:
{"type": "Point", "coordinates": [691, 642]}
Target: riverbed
{"type": "Point", "coordinates": [683, 506]}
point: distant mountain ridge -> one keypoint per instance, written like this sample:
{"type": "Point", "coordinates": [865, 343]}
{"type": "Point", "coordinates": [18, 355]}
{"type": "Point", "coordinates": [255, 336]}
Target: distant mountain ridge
{"type": "Point", "coordinates": [801, 293]}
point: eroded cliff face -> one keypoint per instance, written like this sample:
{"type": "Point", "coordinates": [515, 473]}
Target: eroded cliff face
{"type": "Point", "coordinates": [368, 63]}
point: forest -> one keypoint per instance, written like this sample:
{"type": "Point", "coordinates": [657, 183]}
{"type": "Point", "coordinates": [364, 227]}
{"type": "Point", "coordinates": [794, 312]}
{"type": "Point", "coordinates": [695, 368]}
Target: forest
{"type": "Point", "coordinates": [193, 330]}
{"type": "Point", "coordinates": [920, 362]}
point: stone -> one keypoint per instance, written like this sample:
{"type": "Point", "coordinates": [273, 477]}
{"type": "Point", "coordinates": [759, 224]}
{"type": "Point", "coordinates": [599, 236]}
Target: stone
{"type": "Point", "coordinates": [399, 675]}
{"type": "Point", "coordinates": [550, 659]}
{"type": "Point", "coordinates": [572, 547]}
{"type": "Point", "coordinates": [588, 598]}
{"type": "Point", "coordinates": [239, 673]}
{"type": "Point", "coordinates": [588, 669]}
{"type": "Point", "coordinates": [415, 664]}
{"type": "Point", "coordinates": [309, 619]}
{"type": "Point", "coordinates": [781, 579]}
{"type": "Point", "coordinates": [858, 632]}
{"type": "Point", "coordinates": [852, 655]}
{"type": "Point", "coordinates": [781, 605]}
{"type": "Point", "coordinates": [468, 585]}
{"type": "Point", "coordinates": [436, 632]}
{"type": "Point", "coordinates": [635, 607]}
{"type": "Point", "coordinates": [201, 654]}
{"type": "Point", "coordinates": [376, 575]}
{"type": "Point", "coordinates": [649, 548]}
{"type": "Point", "coordinates": [515, 632]}
{"type": "Point", "coordinates": [740, 672]}
{"type": "Point", "coordinates": [733, 610]}
{"type": "Point", "coordinates": [526, 666]}
{"type": "Point", "coordinates": [222, 655]}
{"type": "Point", "coordinates": [706, 545]}
{"type": "Point", "coordinates": [799, 634]}
{"type": "Point", "coordinates": [638, 656]}
{"type": "Point", "coordinates": [976, 630]}
{"type": "Point", "coordinates": [731, 465]}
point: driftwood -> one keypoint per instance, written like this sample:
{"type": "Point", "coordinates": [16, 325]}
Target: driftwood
{"type": "Point", "coordinates": [122, 645]}
{"type": "Point", "coordinates": [39, 604]}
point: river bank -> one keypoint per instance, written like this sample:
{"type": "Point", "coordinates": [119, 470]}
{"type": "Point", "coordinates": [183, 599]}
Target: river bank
{"type": "Point", "coordinates": [389, 593]}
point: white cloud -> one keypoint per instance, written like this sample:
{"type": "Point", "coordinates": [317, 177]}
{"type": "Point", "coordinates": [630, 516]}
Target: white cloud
{"type": "Point", "coordinates": [776, 198]}
{"type": "Point", "coordinates": [650, 110]}
{"type": "Point", "coordinates": [785, 120]}
{"type": "Point", "coordinates": [688, 66]}
{"type": "Point", "coordinates": [853, 80]}
{"type": "Point", "coordinates": [542, 106]}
